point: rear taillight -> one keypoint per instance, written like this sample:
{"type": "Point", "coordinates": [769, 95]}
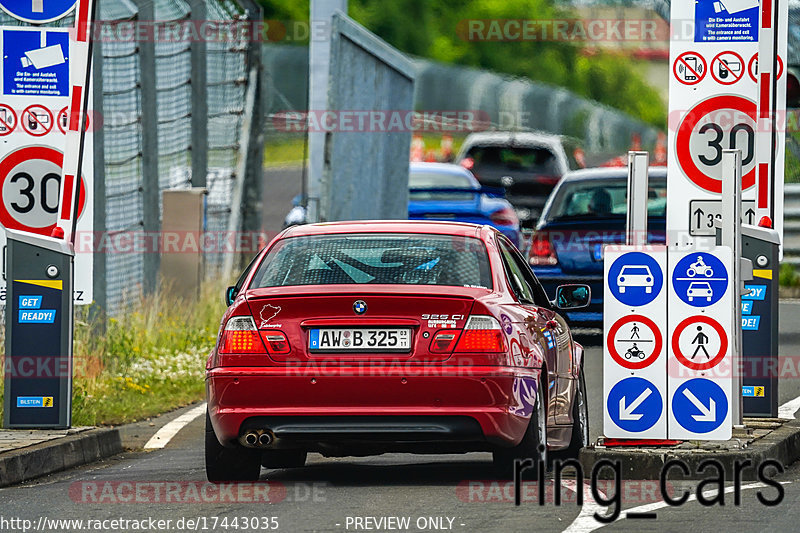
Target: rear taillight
{"type": "Point", "coordinates": [542, 251]}
{"type": "Point", "coordinates": [276, 342]}
{"type": "Point", "coordinates": [241, 337]}
{"type": "Point", "coordinates": [444, 341]}
{"type": "Point", "coordinates": [482, 334]}
{"type": "Point", "coordinates": [505, 217]}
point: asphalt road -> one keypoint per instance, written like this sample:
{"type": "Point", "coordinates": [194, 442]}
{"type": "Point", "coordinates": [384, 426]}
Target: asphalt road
{"type": "Point", "coordinates": [362, 494]}
{"type": "Point", "coordinates": [449, 492]}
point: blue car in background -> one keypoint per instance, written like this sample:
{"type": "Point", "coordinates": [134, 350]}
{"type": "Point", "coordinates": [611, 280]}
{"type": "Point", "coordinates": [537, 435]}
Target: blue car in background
{"type": "Point", "coordinates": [586, 211]}
{"type": "Point", "coordinates": [442, 191]}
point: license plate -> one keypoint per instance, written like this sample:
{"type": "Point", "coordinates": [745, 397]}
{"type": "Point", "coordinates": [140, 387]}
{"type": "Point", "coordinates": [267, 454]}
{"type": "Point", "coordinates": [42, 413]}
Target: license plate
{"type": "Point", "coordinates": [360, 340]}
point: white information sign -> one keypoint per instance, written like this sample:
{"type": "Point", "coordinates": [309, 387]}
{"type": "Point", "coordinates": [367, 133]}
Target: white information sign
{"type": "Point", "coordinates": [634, 347]}
{"type": "Point", "coordinates": [34, 91]}
{"type": "Point", "coordinates": [699, 370]}
{"type": "Point", "coordinates": [712, 107]}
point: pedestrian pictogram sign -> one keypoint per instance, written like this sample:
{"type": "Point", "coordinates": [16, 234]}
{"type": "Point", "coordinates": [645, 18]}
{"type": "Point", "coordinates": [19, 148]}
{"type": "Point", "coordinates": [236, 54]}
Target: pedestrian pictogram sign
{"type": "Point", "coordinates": [689, 68]}
{"type": "Point", "coordinates": [727, 68]}
{"type": "Point", "coordinates": [634, 341]}
{"type": "Point", "coordinates": [634, 351]}
{"type": "Point", "coordinates": [699, 342]}
{"type": "Point", "coordinates": [699, 361]}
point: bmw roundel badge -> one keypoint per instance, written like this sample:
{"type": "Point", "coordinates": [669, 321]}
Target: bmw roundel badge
{"type": "Point", "coordinates": [360, 307]}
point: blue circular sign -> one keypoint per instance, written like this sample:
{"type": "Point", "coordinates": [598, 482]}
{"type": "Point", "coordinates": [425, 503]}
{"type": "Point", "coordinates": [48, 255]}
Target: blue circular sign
{"type": "Point", "coordinates": [635, 279]}
{"type": "Point", "coordinates": [699, 405]}
{"type": "Point", "coordinates": [700, 279]}
{"type": "Point", "coordinates": [634, 404]}
{"type": "Point", "coordinates": [38, 11]}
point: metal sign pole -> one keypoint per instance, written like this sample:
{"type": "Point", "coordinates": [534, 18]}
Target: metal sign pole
{"type": "Point", "coordinates": [638, 163]}
{"type": "Point", "coordinates": [731, 236]}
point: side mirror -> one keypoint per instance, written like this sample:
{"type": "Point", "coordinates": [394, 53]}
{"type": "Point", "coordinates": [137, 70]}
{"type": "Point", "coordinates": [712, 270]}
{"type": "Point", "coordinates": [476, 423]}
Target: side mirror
{"type": "Point", "coordinates": [572, 296]}
{"type": "Point", "coordinates": [230, 295]}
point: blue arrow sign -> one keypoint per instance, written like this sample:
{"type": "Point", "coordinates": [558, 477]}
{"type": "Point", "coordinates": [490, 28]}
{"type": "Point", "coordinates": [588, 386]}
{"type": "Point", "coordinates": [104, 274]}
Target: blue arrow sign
{"type": "Point", "coordinates": [634, 404]}
{"type": "Point", "coordinates": [699, 405]}
{"type": "Point", "coordinates": [635, 279]}
{"type": "Point", "coordinates": [38, 11]}
{"type": "Point", "coordinates": [700, 279]}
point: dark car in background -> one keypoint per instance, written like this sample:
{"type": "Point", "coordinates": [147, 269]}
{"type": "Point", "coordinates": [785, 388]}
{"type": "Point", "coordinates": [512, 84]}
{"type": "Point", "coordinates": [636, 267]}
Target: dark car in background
{"type": "Point", "coordinates": [526, 164]}
{"type": "Point", "coordinates": [586, 211]}
{"type": "Point", "coordinates": [442, 191]}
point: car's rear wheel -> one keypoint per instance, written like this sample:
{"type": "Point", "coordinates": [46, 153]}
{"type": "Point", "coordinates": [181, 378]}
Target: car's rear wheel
{"type": "Point", "coordinates": [533, 444]}
{"type": "Point", "coordinates": [283, 458]}
{"type": "Point", "coordinates": [229, 464]}
{"type": "Point", "coordinates": [580, 422]}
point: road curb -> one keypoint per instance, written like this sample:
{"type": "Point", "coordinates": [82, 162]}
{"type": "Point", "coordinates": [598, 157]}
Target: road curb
{"type": "Point", "coordinates": [53, 456]}
{"type": "Point", "coordinates": [782, 445]}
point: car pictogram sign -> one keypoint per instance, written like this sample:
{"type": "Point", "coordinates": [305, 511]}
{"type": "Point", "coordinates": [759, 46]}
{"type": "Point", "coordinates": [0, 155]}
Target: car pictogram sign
{"type": "Point", "coordinates": [634, 341]}
{"type": "Point", "coordinates": [700, 279]}
{"type": "Point", "coordinates": [635, 279]}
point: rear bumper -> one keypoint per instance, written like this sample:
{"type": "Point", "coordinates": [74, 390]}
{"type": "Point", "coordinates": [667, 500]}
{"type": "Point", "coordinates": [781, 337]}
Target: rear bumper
{"type": "Point", "coordinates": [488, 405]}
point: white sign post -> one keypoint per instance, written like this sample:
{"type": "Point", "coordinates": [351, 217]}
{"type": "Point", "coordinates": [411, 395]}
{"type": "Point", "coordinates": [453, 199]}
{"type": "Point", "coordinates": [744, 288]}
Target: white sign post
{"type": "Point", "coordinates": [35, 83]}
{"type": "Point", "coordinates": [713, 92]}
{"type": "Point", "coordinates": [699, 365]}
{"type": "Point", "coordinates": [634, 355]}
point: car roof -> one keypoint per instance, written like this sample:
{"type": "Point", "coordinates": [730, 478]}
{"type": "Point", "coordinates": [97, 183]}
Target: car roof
{"type": "Point", "coordinates": [458, 229]}
{"type": "Point", "coordinates": [609, 173]}
{"type": "Point", "coordinates": [517, 137]}
{"type": "Point", "coordinates": [445, 169]}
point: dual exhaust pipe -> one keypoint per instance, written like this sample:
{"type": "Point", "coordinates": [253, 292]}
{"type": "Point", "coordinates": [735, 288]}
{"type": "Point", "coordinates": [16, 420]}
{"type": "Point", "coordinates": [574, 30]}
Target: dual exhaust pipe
{"type": "Point", "coordinates": [257, 438]}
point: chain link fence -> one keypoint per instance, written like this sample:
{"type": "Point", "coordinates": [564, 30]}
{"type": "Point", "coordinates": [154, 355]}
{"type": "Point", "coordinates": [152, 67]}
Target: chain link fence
{"type": "Point", "coordinates": [129, 71]}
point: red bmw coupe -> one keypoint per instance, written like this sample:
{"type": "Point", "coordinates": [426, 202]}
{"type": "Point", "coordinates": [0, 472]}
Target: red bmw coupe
{"type": "Point", "coordinates": [361, 338]}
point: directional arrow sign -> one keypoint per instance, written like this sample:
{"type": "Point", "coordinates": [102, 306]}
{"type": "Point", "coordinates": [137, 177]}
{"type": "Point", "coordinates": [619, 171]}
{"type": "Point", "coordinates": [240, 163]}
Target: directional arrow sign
{"type": "Point", "coordinates": [700, 407]}
{"type": "Point", "coordinates": [634, 405]}
{"type": "Point", "coordinates": [703, 214]}
{"type": "Point", "coordinates": [626, 412]}
{"type": "Point", "coordinates": [709, 413]}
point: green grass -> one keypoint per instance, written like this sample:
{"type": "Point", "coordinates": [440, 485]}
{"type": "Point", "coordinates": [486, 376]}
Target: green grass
{"type": "Point", "coordinates": [150, 360]}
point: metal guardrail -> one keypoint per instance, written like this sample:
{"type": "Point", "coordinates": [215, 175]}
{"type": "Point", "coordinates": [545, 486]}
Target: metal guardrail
{"type": "Point", "coordinates": [791, 224]}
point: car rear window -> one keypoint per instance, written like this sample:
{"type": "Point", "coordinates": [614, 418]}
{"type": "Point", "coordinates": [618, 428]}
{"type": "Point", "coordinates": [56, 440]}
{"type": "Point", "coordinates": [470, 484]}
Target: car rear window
{"type": "Point", "coordinates": [595, 198]}
{"type": "Point", "coordinates": [533, 160]}
{"type": "Point", "coordinates": [439, 180]}
{"type": "Point", "coordinates": [636, 271]}
{"type": "Point", "coordinates": [395, 259]}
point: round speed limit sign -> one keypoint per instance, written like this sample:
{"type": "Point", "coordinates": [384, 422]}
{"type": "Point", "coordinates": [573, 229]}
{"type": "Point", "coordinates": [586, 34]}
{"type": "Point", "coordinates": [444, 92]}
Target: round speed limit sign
{"type": "Point", "coordinates": [30, 179]}
{"type": "Point", "coordinates": [714, 125]}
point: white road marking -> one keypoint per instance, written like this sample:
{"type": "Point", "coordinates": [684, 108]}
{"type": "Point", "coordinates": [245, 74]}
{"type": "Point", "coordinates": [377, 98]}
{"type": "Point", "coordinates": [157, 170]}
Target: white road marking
{"type": "Point", "coordinates": [585, 520]}
{"type": "Point", "coordinates": [582, 525]}
{"type": "Point", "coordinates": [170, 429]}
{"type": "Point", "coordinates": [787, 410]}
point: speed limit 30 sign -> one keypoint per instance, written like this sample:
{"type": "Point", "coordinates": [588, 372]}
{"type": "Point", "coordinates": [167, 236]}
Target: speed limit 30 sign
{"type": "Point", "coordinates": [29, 183]}
{"type": "Point", "coordinates": [715, 124]}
